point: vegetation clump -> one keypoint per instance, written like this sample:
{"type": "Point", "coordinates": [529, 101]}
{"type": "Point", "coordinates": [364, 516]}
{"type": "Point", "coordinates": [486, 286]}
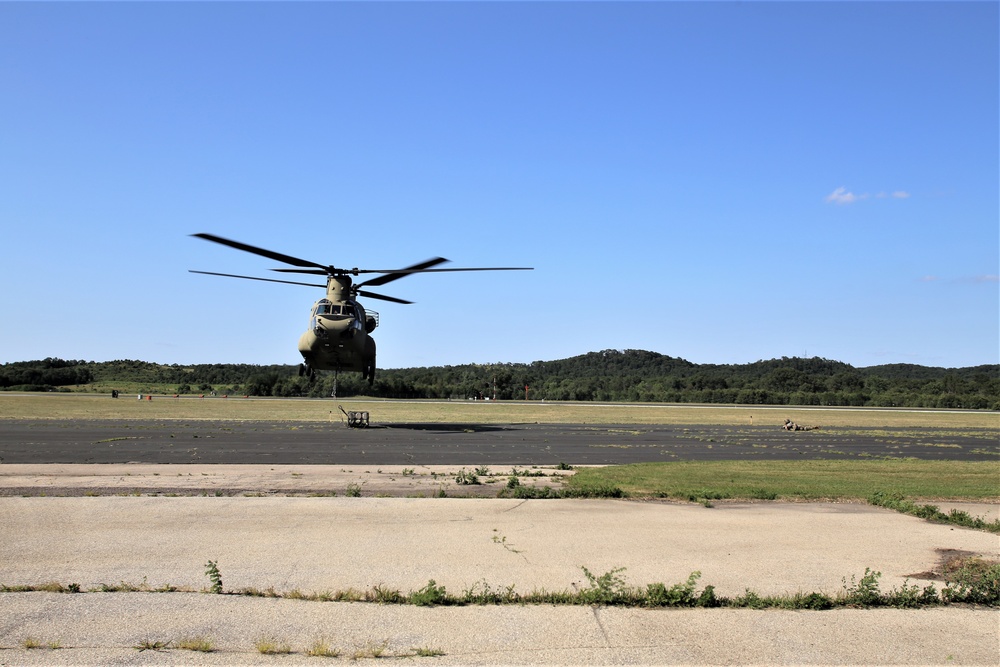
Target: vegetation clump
{"type": "Point", "coordinates": [971, 580]}
{"type": "Point", "coordinates": [896, 501]}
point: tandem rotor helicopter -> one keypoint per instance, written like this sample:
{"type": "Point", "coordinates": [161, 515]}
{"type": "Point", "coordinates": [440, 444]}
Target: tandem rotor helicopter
{"type": "Point", "coordinates": [339, 333]}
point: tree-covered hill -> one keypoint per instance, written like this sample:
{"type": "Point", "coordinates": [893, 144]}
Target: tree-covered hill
{"type": "Point", "coordinates": [610, 375]}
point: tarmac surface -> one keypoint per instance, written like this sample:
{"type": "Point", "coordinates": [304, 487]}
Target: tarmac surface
{"type": "Point", "coordinates": [290, 443]}
{"type": "Point", "coordinates": [106, 529]}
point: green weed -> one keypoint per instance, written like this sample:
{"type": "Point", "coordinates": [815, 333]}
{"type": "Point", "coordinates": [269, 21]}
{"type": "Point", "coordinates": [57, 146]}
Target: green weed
{"type": "Point", "coordinates": [214, 576]}
{"type": "Point", "coordinates": [429, 595]}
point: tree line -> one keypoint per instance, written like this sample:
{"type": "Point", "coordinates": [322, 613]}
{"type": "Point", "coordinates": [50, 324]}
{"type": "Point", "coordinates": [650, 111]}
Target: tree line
{"type": "Point", "coordinates": [609, 375]}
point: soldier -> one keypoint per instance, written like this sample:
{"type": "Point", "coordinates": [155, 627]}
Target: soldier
{"type": "Point", "coordinates": [789, 425]}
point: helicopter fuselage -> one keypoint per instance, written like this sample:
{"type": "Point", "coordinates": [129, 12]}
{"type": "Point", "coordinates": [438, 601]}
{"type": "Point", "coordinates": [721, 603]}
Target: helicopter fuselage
{"type": "Point", "coordinates": [338, 335]}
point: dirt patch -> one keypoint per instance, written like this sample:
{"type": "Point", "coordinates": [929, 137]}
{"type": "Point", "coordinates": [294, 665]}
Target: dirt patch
{"type": "Point", "coordinates": [951, 561]}
{"type": "Point", "coordinates": [259, 480]}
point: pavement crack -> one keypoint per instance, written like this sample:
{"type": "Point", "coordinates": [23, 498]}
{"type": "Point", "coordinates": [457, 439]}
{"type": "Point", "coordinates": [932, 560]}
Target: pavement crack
{"type": "Point", "coordinates": [511, 509]}
{"type": "Point", "coordinates": [600, 626]}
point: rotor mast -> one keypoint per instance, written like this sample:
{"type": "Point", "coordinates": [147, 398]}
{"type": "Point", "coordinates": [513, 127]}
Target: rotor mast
{"type": "Point", "coordinates": [338, 287]}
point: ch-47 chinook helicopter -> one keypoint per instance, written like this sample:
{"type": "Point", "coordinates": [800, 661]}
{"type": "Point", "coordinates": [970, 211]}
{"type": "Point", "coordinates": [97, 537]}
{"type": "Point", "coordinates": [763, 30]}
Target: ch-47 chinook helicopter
{"type": "Point", "coordinates": [338, 337]}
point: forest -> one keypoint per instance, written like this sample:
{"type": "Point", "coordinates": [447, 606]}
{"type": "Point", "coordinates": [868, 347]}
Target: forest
{"type": "Point", "coordinates": [609, 375]}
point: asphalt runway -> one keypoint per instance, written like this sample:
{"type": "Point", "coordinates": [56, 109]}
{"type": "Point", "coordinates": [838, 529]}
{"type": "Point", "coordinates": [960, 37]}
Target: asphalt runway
{"type": "Point", "coordinates": [318, 443]}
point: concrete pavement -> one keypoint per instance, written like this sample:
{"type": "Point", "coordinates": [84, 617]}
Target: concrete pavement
{"type": "Point", "coordinates": [317, 544]}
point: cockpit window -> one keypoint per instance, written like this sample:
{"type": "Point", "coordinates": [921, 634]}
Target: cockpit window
{"type": "Point", "coordinates": [334, 309]}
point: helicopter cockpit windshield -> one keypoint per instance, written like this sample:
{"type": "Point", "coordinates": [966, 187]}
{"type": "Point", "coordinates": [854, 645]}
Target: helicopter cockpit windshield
{"type": "Point", "coordinates": [327, 308]}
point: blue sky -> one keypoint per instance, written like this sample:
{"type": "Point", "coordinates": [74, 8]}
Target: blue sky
{"type": "Point", "coordinates": [721, 182]}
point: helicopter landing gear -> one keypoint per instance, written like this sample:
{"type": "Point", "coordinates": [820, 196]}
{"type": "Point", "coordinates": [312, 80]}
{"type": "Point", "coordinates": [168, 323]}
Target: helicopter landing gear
{"type": "Point", "coordinates": [368, 373]}
{"type": "Point", "coordinates": [368, 364]}
{"type": "Point", "coordinates": [307, 371]}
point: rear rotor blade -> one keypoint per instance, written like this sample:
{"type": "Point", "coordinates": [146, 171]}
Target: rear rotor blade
{"type": "Point", "coordinates": [276, 256]}
{"type": "Point", "coordinates": [372, 295]}
{"type": "Point", "coordinates": [265, 280]}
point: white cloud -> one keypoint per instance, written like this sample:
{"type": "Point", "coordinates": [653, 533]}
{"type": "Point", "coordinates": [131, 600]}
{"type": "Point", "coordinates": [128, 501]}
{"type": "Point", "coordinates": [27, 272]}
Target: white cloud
{"type": "Point", "coordinates": [987, 278]}
{"type": "Point", "coordinates": [842, 196]}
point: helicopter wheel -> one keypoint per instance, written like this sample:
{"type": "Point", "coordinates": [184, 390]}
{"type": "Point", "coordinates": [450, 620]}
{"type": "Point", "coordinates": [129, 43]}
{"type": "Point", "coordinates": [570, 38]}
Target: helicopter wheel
{"type": "Point", "coordinates": [302, 370]}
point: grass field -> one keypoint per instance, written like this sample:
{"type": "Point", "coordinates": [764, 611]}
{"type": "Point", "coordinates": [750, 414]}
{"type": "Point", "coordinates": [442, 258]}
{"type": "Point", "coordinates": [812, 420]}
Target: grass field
{"type": "Point", "coordinates": [90, 406]}
{"type": "Point", "coordinates": [798, 480]}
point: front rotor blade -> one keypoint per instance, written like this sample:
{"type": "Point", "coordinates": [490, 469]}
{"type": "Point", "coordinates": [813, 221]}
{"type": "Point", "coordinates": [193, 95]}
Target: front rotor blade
{"type": "Point", "coordinates": [475, 268]}
{"type": "Point", "coordinates": [372, 295]}
{"type": "Point", "coordinates": [270, 254]}
{"type": "Point", "coordinates": [265, 280]}
{"type": "Point", "coordinates": [395, 275]}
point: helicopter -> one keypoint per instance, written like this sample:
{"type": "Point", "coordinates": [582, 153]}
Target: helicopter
{"type": "Point", "coordinates": [339, 334]}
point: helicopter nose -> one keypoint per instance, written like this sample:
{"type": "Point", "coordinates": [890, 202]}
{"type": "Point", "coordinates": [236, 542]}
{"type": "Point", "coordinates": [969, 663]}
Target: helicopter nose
{"type": "Point", "coordinates": [331, 327]}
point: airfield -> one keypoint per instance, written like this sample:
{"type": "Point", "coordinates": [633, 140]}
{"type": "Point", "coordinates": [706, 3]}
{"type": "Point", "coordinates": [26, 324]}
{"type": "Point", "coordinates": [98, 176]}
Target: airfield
{"type": "Point", "coordinates": [140, 502]}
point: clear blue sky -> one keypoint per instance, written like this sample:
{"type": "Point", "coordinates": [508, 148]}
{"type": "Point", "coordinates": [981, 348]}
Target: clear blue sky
{"type": "Point", "coordinates": [721, 182]}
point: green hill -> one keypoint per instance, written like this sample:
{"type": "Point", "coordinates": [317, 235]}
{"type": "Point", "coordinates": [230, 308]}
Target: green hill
{"type": "Point", "coordinates": [610, 375]}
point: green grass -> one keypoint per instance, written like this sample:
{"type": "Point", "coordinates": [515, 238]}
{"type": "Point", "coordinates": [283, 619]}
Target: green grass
{"type": "Point", "coordinates": [102, 406]}
{"type": "Point", "coordinates": [796, 480]}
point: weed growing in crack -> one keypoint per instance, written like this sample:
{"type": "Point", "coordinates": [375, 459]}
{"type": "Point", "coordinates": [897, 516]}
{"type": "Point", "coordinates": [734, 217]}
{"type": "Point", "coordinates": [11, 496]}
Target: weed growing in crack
{"type": "Point", "coordinates": [271, 646]}
{"type": "Point", "coordinates": [371, 651]}
{"type": "Point", "coordinates": [482, 593]}
{"type": "Point", "coordinates": [429, 595]}
{"type": "Point", "coordinates": [322, 649]}
{"type": "Point", "coordinates": [973, 580]}
{"type": "Point", "coordinates": [386, 595]}
{"type": "Point", "coordinates": [213, 574]}
{"type": "Point", "coordinates": [151, 645]}
{"type": "Point", "coordinates": [199, 643]}
{"type": "Point", "coordinates": [609, 588]}
{"type": "Point", "coordinates": [864, 593]}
